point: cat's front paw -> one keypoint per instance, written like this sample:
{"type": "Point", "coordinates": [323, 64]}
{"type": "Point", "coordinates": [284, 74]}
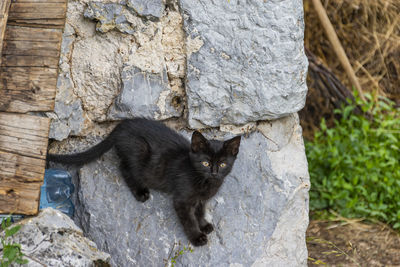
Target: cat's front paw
{"type": "Point", "coordinates": [199, 240]}
{"type": "Point", "coordinates": [208, 228]}
{"type": "Point", "coordinates": [142, 195]}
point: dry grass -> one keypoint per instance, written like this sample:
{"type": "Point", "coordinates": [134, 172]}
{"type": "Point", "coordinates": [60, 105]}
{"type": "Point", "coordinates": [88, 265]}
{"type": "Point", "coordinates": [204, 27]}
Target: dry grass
{"type": "Point", "coordinates": [351, 242]}
{"type": "Point", "coordinates": [369, 31]}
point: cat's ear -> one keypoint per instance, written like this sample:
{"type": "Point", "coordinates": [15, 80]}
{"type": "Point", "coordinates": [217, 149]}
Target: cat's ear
{"type": "Point", "coordinates": [199, 142]}
{"type": "Point", "coordinates": [231, 146]}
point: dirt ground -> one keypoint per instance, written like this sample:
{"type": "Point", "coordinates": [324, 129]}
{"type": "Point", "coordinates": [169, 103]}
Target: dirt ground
{"type": "Point", "coordinates": [352, 243]}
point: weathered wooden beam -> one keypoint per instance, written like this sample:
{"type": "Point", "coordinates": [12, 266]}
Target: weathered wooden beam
{"type": "Point", "coordinates": [4, 7]}
{"type": "Point", "coordinates": [28, 80]}
{"type": "Point", "coordinates": [32, 48]}
{"type": "Point", "coordinates": [34, 79]}
{"type": "Point", "coordinates": [29, 61]}
{"type": "Point", "coordinates": [43, 1]}
{"type": "Point", "coordinates": [26, 101]}
{"type": "Point", "coordinates": [19, 198]}
{"type": "Point", "coordinates": [16, 33]}
{"type": "Point", "coordinates": [44, 14]}
{"type": "Point", "coordinates": [23, 144]}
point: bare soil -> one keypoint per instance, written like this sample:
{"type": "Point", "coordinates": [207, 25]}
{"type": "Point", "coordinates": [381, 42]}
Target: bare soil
{"type": "Point", "coordinates": [352, 243]}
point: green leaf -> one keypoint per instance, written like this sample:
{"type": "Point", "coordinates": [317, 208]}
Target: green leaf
{"type": "Point", "coordinates": [12, 231]}
{"type": "Point", "coordinates": [353, 166]}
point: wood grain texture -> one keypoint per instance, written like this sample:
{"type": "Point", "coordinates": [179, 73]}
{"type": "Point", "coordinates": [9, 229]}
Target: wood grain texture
{"type": "Point", "coordinates": [32, 48]}
{"type": "Point", "coordinates": [23, 145]}
{"type": "Point", "coordinates": [25, 101]}
{"type": "Point", "coordinates": [16, 33]}
{"type": "Point", "coordinates": [44, 14]}
{"type": "Point", "coordinates": [34, 79]}
{"type": "Point", "coordinates": [29, 61]}
{"type": "Point", "coordinates": [30, 58]}
{"type": "Point", "coordinates": [41, 1]}
{"type": "Point", "coordinates": [28, 80]}
{"type": "Point", "coordinates": [4, 8]}
{"type": "Point", "coordinates": [19, 198]}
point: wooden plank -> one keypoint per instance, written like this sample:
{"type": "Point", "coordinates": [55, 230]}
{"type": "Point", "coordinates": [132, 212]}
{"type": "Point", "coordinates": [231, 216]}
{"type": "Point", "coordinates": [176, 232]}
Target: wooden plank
{"type": "Point", "coordinates": [19, 198]}
{"type": "Point", "coordinates": [38, 7]}
{"type": "Point", "coordinates": [16, 33]}
{"type": "Point", "coordinates": [21, 168]}
{"type": "Point", "coordinates": [38, 23]}
{"type": "Point", "coordinates": [28, 79]}
{"type": "Point", "coordinates": [28, 136]}
{"type": "Point", "coordinates": [23, 145]}
{"type": "Point", "coordinates": [22, 101]}
{"type": "Point", "coordinates": [52, 14]}
{"type": "Point", "coordinates": [41, 1]}
{"type": "Point", "coordinates": [4, 7]}
{"type": "Point", "coordinates": [38, 14]}
{"type": "Point", "coordinates": [32, 48]}
{"type": "Point", "coordinates": [29, 61]}
{"type": "Point", "coordinates": [36, 125]}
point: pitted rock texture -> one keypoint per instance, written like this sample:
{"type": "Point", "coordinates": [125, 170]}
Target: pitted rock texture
{"type": "Point", "coordinates": [93, 65]}
{"type": "Point", "coordinates": [52, 239]}
{"type": "Point", "coordinates": [260, 214]}
{"type": "Point", "coordinates": [110, 16]}
{"type": "Point", "coordinates": [145, 95]}
{"type": "Point", "coordinates": [147, 8]}
{"type": "Point", "coordinates": [252, 64]}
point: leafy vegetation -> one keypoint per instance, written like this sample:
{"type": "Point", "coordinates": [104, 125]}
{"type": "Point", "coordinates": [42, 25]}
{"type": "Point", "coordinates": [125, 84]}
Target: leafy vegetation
{"type": "Point", "coordinates": [11, 251]}
{"type": "Point", "coordinates": [354, 166]}
{"type": "Point", "coordinates": [179, 252]}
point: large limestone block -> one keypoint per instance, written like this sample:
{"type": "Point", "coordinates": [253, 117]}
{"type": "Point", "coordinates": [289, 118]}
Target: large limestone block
{"type": "Point", "coordinates": [52, 239]}
{"type": "Point", "coordinates": [260, 214]}
{"type": "Point", "coordinates": [252, 64]}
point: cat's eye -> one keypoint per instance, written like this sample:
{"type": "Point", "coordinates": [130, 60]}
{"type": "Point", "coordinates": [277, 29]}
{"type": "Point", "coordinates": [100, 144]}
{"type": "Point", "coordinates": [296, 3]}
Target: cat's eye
{"type": "Point", "coordinates": [205, 163]}
{"type": "Point", "coordinates": [222, 165]}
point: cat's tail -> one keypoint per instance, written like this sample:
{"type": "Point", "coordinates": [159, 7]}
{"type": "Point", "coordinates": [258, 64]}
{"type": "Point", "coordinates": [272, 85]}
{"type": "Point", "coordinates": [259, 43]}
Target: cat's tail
{"type": "Point", "coordinates": [85, 156]}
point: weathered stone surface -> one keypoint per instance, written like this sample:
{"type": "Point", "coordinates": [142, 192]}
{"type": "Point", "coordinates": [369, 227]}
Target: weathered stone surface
{"type": "Point", "coordinates": [121, 17]}
{"type": "Point", "coordinates": [110, 16]}
{"type": "Point", "coordinates": [69, 120]}
{"type": "Point", "coordinates": [52, 239]}
{"type": "Point", "coordinates": [236, 63]}
{"type": "Point", "coordinates": [251, 66]}
{"type": "Point", "coordinates": [260, 213]}
{"type": "Point", "coordinates": [94, 67]}
{"type": "Point", "coordinates": [147, 8]}
{"type": "Point", "coordinates": [147, 95]}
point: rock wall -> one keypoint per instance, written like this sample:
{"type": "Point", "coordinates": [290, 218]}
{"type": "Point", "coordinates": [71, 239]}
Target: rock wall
{"type": "Point", "coordinates": [225, 67]}
{"type": "Point", "coordinates": [52, 239]}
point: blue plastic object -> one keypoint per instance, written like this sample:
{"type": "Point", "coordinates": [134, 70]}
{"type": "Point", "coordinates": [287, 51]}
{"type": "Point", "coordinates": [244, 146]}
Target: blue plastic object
{"type": "Point", "coordinates": [56, 191]}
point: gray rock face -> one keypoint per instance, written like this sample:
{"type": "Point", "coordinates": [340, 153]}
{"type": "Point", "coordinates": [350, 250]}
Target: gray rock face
{"type": "Point", "coordinates": [52, 239]}
{"type": "Point", "coordinates": [69, 120]}
{"type": "Point", "coordinates": [146, 95]}
{"type": "Point", "coordinates": [260, 214]}
{"type": "Point", "coordinates": [147, 8]}
{"type": "Point", "coordinates": [252, 64]}
{"type": "Point", "coordinates": [120, 17]}
{"type": "Point", "coordinates": [110, 16]}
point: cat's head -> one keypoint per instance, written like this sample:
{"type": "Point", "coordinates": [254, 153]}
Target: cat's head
{"type": "Point", "coordinates": [212, 158]}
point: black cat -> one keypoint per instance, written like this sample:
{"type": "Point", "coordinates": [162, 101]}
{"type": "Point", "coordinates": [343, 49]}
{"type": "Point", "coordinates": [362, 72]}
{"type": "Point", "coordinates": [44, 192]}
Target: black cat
{"type": "Point", "coordinates": [154, 156]}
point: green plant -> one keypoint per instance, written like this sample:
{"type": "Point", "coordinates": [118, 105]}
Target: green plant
{"type": "Point", "coordinates": [354, 166]}
{"type": "Point", "coordinates": [11, 251]}
{"type": "Point", "coordinates": [179, 252]}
